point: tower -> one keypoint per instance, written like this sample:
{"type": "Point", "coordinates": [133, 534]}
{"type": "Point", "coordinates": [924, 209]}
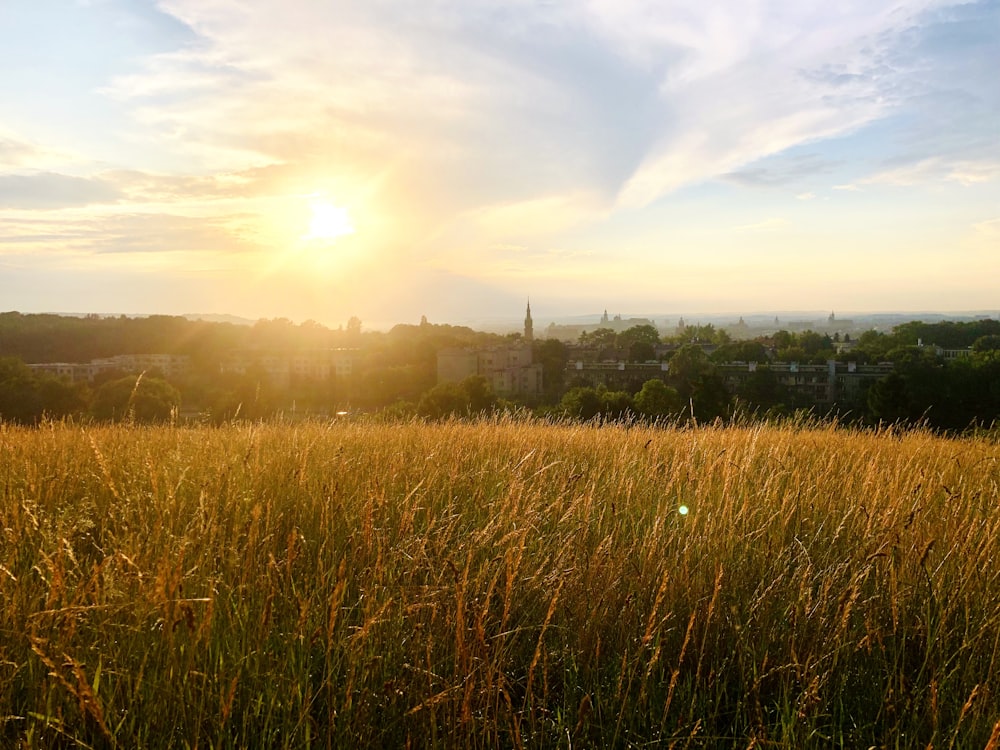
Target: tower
{"type": "Point", "coordinates": [529, 333]}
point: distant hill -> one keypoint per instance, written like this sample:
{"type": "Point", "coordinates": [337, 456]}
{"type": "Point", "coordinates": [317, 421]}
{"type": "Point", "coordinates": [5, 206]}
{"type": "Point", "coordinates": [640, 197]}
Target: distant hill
{"type": "Point", "coordinates": [214, 318]}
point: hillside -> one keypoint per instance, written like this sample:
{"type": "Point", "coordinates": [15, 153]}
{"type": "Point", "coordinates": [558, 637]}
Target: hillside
{"type": "Point", "coordinates": [501, 584]}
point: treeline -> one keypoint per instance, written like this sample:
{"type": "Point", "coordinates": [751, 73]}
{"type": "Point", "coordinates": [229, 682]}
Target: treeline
{"type": "Point", "coordinates": [58, 338]}
{"type": "Point", "coordinates": [389, 367]}
{"type": "Point", "coordinates": [395, 372]}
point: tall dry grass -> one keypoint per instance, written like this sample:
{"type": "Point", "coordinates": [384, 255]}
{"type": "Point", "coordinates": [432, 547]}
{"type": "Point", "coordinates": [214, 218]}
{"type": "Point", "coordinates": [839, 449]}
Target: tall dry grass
{"type": "Point", "coordinates": [499, 584]}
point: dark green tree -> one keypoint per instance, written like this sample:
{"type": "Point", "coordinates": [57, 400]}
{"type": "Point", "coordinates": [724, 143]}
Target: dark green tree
{"type": "Point", "coordinates": [888, 400]}
{"type": "Point", "coordinates": [602, 338]}
{"type": "Point", "coordinates": [552, 355]}
{"type": "Point", "coordinates": [688, 366]}
{"type": "Point", "coordinates": [27, 397]}
{"type": "Point", "coordinates": [763, 391]}
{"type": "Point", "coordinates": [444, 400]}
{"type": "Point", "coordinates": [141, 399]}
{"type": "Point", "coordinates": [581, 403]}
{"type": "Point", "coordinates": [645, 334]}
{"type": "Point", "coordinates": [990, 343]}
{"type": "Point", "coordinates": [616, 404]}
{"type": "Point", "coordinates": [472, 396]}
{"type": "Point", "coordinates": [656, 399]}
{"type": "Point", "coordinates": [641, 351]}
{"type": "Point", "coordinates": [710, 399]}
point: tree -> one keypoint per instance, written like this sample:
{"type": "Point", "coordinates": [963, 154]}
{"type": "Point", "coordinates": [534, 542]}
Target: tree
{"type": "Point", "coordinates": [443, 400]}
{"type": "Point", "coordinates": [602, 338]}
{"type": "Point", "coordinates": [553, 355]}
{"type": "Point", "coordinates": [710, 399]}
{"type": "Point", "coordinates": [990, 343]}
{"type": "Point", "coordinates": [616, 404]}
{"type": "Point", "coordinates": [812, 342]}
{"type": "Point", "coordinates": [472, 396]}
{"type": "Point", "coordinates": [740, 351]}
{"type": "Point", "coordinates": [641, 351]}
{"type": "Point", "coordinates": [657, 399]}
{"type": "Point", "coordinates": [792, 354]}
{"type": "Point", "coordinates": [353, 333]}
{"type": "Point", "coordinates": [25, 397]}
{"type": "Point", "coordinates": [763, 390]}
{"type": "Point", "coordinates": [688, 365]}
{"type": "Point", "coordinates": [581, 403]}
{"type": "Point", "coordinates": [645, 334]}
{"type": "Point", "coordinates": [888, 399]}
{"type": "Point", "coordinates": [142, 399]}
{"type": "Point", "coordinates": [782, 339]}
{"type": "Point", "coordinates": [479, 394]}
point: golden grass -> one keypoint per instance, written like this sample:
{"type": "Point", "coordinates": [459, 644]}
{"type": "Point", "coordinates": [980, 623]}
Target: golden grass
{"type": "Point", "coordinates": [497, 584]}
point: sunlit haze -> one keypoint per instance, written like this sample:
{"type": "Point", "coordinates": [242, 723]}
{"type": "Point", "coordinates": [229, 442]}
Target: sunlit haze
{"type": "Point", "coordinates": [396, 159]}
{"type": "Point", "coordinates": [329, 222]}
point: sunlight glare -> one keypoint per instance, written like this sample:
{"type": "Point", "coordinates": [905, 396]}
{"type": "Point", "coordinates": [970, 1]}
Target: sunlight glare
{"type": "Point", "coordinates": [329, 222]}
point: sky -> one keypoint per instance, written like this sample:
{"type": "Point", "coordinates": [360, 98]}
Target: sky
{"type": "Point", "coordinates": [452, 158]}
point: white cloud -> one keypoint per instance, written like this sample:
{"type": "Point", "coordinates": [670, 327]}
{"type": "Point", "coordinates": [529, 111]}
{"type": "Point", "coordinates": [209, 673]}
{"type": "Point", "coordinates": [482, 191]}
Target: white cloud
{"type": "Point", "coordinates": [48, 190]}
{"type": "Point", "coordinates": [938, 169]}
{"type": "Point", "coordinates": [630, 98]}
{"type": "Point", "coordinates": [776, 77]}
{"type": "Point", "coordinates": [468, 127]}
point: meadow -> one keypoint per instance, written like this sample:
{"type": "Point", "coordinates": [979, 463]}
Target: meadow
{"type": "Point", "coordinates": [497, 584]}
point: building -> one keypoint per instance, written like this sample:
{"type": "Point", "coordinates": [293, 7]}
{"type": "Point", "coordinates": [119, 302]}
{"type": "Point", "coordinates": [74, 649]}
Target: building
{"type": "Point", "coordinates": [570, 332]}
{"type": "Point", "coordinates": [826, 384]}
{"type": "Point", "coordinates": [510, 370]}
{"type": "Point", "coordinates": [168, 365]}
{"type": "Point", "coordinates": [284, 367]}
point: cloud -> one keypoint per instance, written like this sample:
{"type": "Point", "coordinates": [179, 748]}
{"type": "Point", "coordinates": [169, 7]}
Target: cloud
{"type": "Point", "coordinates": [49, 190]}
{"type": "Point", "coordinates": [460, 128]}
{"type": "Point", "coordinates": [987, 233]}
{"type": "Point", "coordinates": [778, 76]}
{"type": "Point", "coordinates": [15, 153]}
{"type": "Point", "coordinates": [937, 169]}
{"type": "Point", "coordinates": [19, 154]}
{"type": "Point", "coordinates": [781, 170]}
{"type": "Point", "coordinates": [130, 233]}
{"type": "Point", "coordinates": [514, 101]}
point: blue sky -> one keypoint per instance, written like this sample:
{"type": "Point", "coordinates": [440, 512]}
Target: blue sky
{"type": "Point", "coordinates": [172, 157]}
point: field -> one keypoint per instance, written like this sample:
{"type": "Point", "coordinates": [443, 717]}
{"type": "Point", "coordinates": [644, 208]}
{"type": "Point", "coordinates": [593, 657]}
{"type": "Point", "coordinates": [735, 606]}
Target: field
{"type": "Point", "coordinates": [502, 584]}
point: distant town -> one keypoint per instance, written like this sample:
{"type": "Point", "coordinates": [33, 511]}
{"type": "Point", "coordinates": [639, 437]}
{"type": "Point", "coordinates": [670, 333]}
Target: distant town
{"type": "Point", "coordinates": [938, 371]}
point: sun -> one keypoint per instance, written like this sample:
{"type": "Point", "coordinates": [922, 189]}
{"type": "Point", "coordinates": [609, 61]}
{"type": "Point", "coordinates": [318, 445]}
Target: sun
{"type": "Point", "coordinates": [328, 222]}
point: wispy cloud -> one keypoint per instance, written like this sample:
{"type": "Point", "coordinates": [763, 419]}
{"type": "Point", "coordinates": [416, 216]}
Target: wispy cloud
{"type": "Point", "coordinates": [777, 77]}
{"type": "Point", "coordinates": [15, 152]}
{"type": "Point", "coordinates": [47, 190]}
{"type": "Point", "coordinates": [937, 169]}
{"type": "Point", "coordinates": [457, 130]}
{"type": "Point", "coordinates": [630, 98]}
{"type": "Point", "coordinates": [82, 235]}
{"type": "Point", "coordinates": [782, 170]}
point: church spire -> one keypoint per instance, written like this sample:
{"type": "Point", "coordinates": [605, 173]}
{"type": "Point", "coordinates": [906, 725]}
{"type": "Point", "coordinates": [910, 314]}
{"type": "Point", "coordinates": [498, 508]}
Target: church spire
{"type": "Point", "coordinates": [529, 333]}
